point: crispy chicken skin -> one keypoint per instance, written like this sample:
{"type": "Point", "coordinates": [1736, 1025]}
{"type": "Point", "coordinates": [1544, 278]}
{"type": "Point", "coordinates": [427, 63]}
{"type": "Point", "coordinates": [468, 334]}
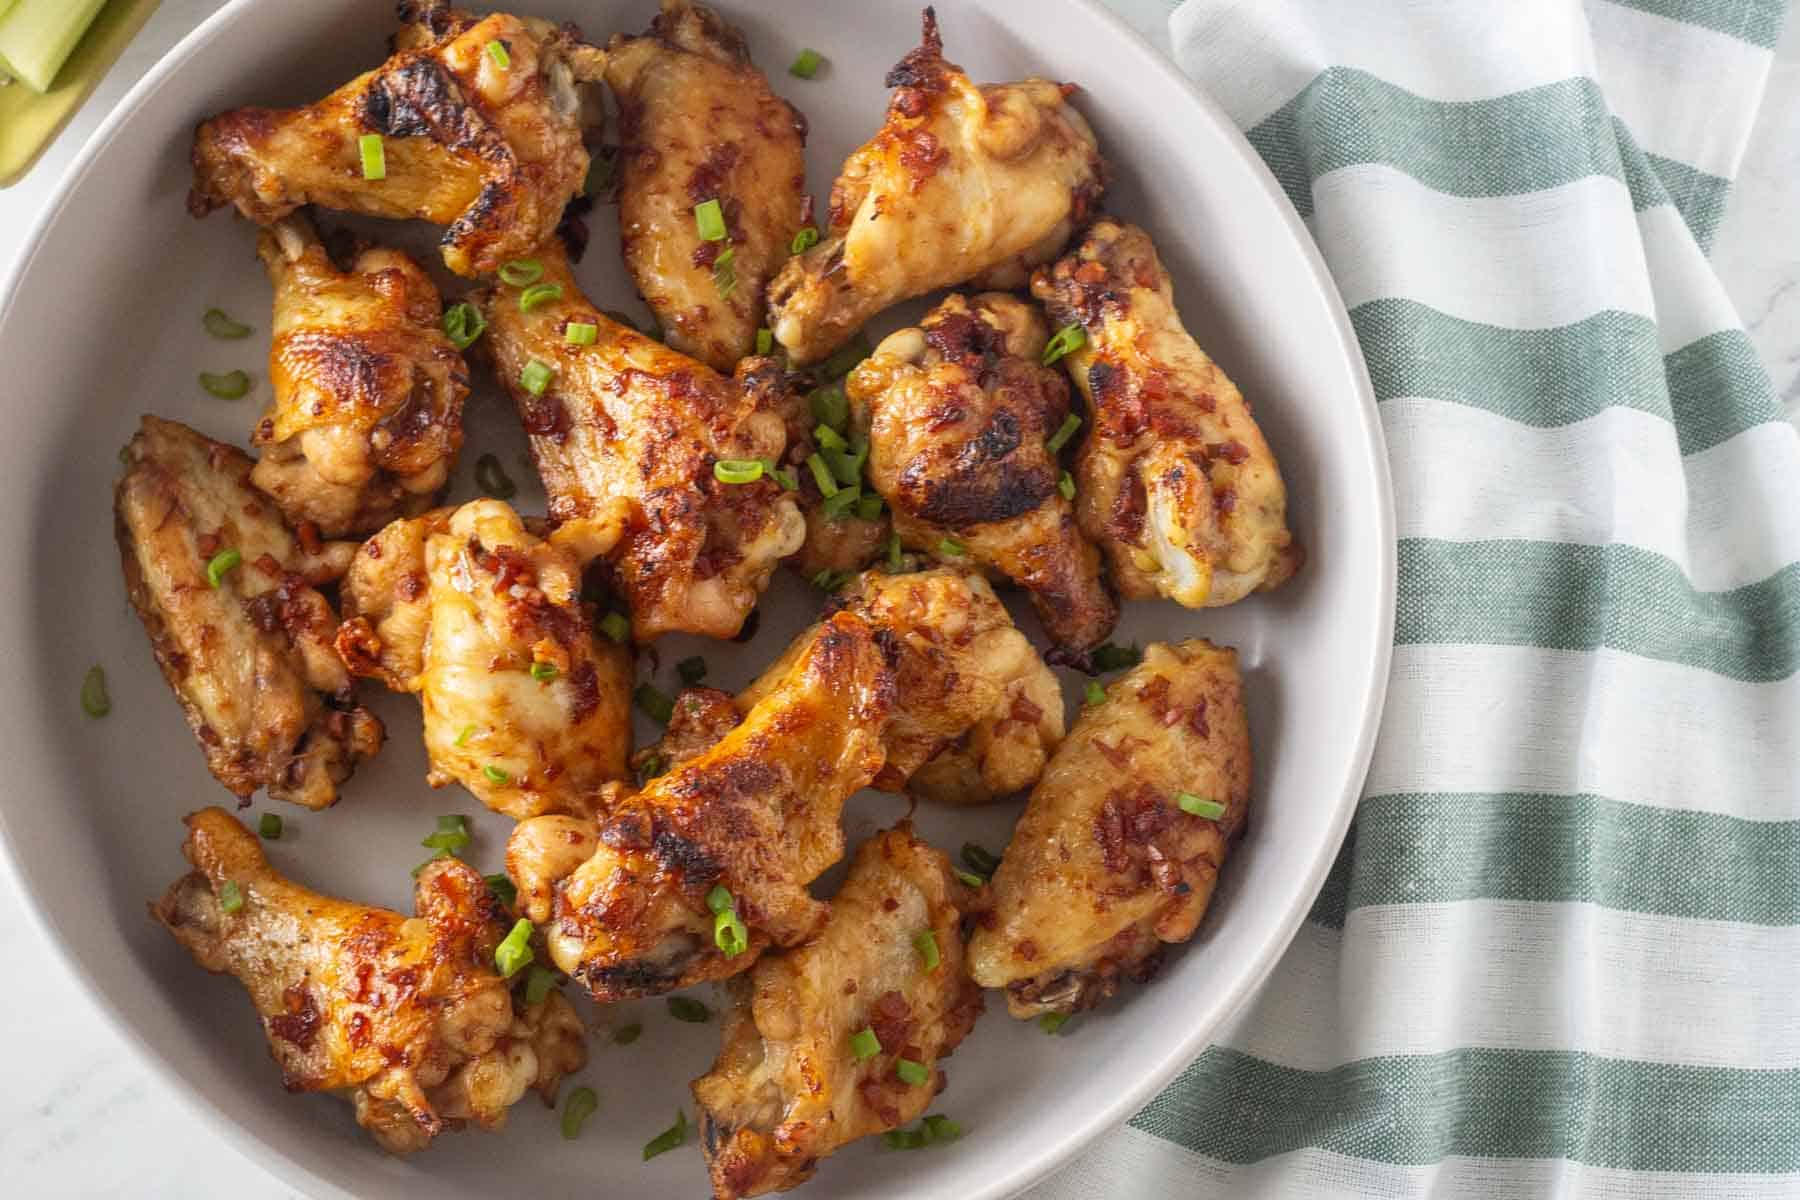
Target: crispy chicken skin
{"type": "Point", "coordinates": [483, 620]}
{"type": "Point", "coordinates": [964, 182]}
{"type": "Point", "coordinates": [492, 152]}
{"type": "Point", "coordinates": [626, 434]}
{"type": "Point", "coordinates": [957, 413]}
{"type": "Point", "coordinates": [406, 1016]}
{"type": "Point", "coordinates": [786, 1090]}
{"type": "Point", "coordinates": [698, 122]}
{"type": "Point", "coordinates": [1174, 478]}
{"type": "Point", "coordinates": [250, 660]}
{"type": "Point", "coordinates": [1105, 867]}
{"type": "Point", "coordinates": [367, 415]}
{"type": "Point", "coordinates": [757, 814]}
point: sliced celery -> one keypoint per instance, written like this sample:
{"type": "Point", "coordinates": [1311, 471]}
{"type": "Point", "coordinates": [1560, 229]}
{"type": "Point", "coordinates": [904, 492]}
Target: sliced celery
{"type": "Point", "coordinates": [37, 37]}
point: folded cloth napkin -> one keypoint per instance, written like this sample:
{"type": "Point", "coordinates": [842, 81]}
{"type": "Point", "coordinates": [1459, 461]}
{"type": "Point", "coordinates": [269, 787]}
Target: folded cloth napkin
{"type": "Point", "coordinates": [1559, 955]}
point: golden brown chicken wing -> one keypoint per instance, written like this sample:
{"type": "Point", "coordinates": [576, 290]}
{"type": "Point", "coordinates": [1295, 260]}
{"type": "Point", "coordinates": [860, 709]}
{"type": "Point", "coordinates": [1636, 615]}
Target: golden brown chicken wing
{"type": "Point", "coordinates": [1174, 480]}
{"type": "Point", "coordinates": [699, 126]}
{"type": "Point", "coordinates": [523, 705]}
{"type": "Point", "coordinates": [408, 1016]}
{"type": "Point", "coordinates": [629, 437]}
{"type": "Point", "coordinates": [964, 182]}
{"type": "Point", "coordinates": [367, 415]}
{"type": "Point", "coordinates": [449, 130]}
{"type": "Point", "coordinates": [227, 595]}
{"type": "Point", "coordinates": [958, 413]}
{"type": "Point", "coordinates": [789, 1087]}
{"type": "Point", "coordinates": [1123, 838]}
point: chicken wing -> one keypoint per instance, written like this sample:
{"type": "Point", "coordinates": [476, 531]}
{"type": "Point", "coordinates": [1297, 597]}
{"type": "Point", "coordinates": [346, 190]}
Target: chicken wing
{"type": "Point", "coordinates": [958, 412]}
{"type": "Point", "coordinates": [228, 598]}
{"type": "Point", "coordinates": [787, 1089]}
{"type": "Point", "coordinates": [964, 182]}
{"type": "Point", "coordinates": [486, 143]}
{"type": "Point", "coordinates": [628, 436]}
{"type": "Point", "coordinates": [367, 416]}
{"type": "Point", "coordinates": [484, 621]}
{"type": "Point", "coordinates": [1175, 480]}
{"type": "Point", "coordinates": [1124, 837]}
{"type": "Point", "coordinates": [406, 1015]}
{"type": "Point", "coordinates": [698, 123]}
{"type": "Point", "coordinates": [756, 815]}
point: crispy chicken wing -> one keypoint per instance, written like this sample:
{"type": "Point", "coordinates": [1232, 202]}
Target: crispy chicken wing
{"type": "Point", "coordinates": [249, 656]}
{"type": "Point", "coordinates": [367, 415]}
{"type": "Point", "coordinates": [523, 705]}
{"type": "Point", "coordinates": [1107, 864]}
{"type": "Point", "coordinates": [1174, 480]}
{"type": "Point", "coordinates": [406, 1015]}
{"type": "Point", "coordinates": [757, 814]}
{"type": "Point", "coordinates": [698, 122]}
{"type": "Point", "coordinates": [957, 413]}
{"type": "Point", "coordinates": [487, 144]}
{"type": "Point", "coordinates": [787, 1089]}
{"type": "Point", "coordinates": [627, 434]}
{"type": "Point", "coordinates": [964, 182]}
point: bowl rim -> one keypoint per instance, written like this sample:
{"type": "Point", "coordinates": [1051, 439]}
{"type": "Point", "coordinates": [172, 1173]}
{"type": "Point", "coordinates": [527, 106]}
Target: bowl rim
{"type": "Point", "coordinates": [1180, 1052]}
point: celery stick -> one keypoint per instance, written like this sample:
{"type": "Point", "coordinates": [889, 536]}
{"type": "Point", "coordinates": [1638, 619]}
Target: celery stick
{"type": "Point", "coordinates": [37, 37]}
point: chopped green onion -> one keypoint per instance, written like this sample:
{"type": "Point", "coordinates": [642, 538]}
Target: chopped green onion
{"type": "Point", "coordinates": [868, 508]}
{"type": "Point", "coordinates": [829, 407]}
{"type": "Point", "coordinates": [692, 671]}
{"type": "Point", "coordinates": [719, 899]}
{"type": "Point", "coordinates": [496, 775]}
{"type": "Point", "coordinates": [846, 357]}
{"type": "Point", "coordinates": [952, 547]}
{"type": "Point", "coordinates": [830, 581]}
{"type": "Point", "coordinates": [468, 731]}
{"type": "Point", "coordinates": [416, 871]}
{"type": "Point", "coordinates": [911, 1073]}
{"type": "Point", "coordinates": [627, 1034]}
{"type": "Point", "coordinates": [686, 1008]}
{"type": "Point", "coordinates": [1095, 694]}
{"type": "Point", "coordinates": [709, 221]}
{"type": "Point", "coordinates": [1212, 810]}
{"type": "Point", "coordinates": [847, 465]}
{"type": "Point", "coordinates": [653, 766]}
{"type": "Point", "coordinates": [864, 1044]}
{"type": "Point", "coordinates": [580, 333]}
{"type": "Point", "coordinates": [543, 672]}
{"type": "Point", "coordinates": [829, 438]}
{"type": "Point", "coordinates": [496, 50]}
{"type": "Point", "coordinates": [616, 626]}
{"type": "Point", "coordinates": [502, 889]}
{"type": "Point", "coordinates": [452, 834]}
{"type": "Point", "coordinates": [821, 475]}
{"type": "Point", "coordinates": [463, 323]}
{"type": "Point", "coordinates": [765, 341]}
{"type": "Point", "coordinates": [725, 273]}
{"type": "Point", "coordinates": [730, 933]}
{"type": "Point", "coordinates": [582, 1101]}
{"type": "Point", "coordinates": [903, 1139]}
{"type": "Point", "coordinates": [894, 550]}
{"type": "Point", "coordinates": [1066, 485]}
{"type": "Point", "coordinates": [789, 481]}
{"type": "Point", "coordinates": [1112, 657]}
{"type": "Point", "coordinates": [374, 156]}
{"type": "Point", "coordinates": [222, 326]}
{"type": "Point", "coordinates": [658, 706]}
{"type": "Point", "coordinates": [804, 239]}
{"type": "Point", "coordinates": [1051, 1022]}
{"type": "Point", "coordinates": [535, 377]}
{"type": "Point", "coordinates": [839, 505]}
{"type": "Point", "coordinates": [228, 386]}
{"type": "Point", "coordinates": [1068, 339]}
{"type": "Point", "coordinates": [601, 166]}
{"type": "Point", "coordinates": [668, 1139]}
{"type": "Point", "coordinates": [94, 700]}
{"type": "Point", "coordinates": [1063, 433]}
{"type": "Point", "coordinates": [231, 897]}
{"type": "Point", "coordinates": [738, 470]}
{"type": "Point", "coordinates": [521, 271]}
{"type": "Point", "coordinates": [925, 942]}
{"type": "Point", "coordinates": [268, 827]}
{"type": "Point", "coordinates": [940, 1128]}
{"type": "Point", "coordinates": [539, 293]}
{"type": "Point", "coordinates": [538, 984]}
{"type": "Point", "coordinates": [220, 564]}
{"type": "Point", "coordinates": [980, 858]}
{"type": "Point", "coordinates": [492, 478]}
{"type": "Point", "coordinates": [971, 880]}
{"type": "Point", "coordinates": [513, 954]}
{"type": "Point", "coordinates": [806, 64]}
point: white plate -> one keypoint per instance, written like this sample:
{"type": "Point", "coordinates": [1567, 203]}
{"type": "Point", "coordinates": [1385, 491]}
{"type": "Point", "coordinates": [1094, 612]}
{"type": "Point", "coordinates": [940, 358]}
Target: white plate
{"type": "Point", "coordinates": [102, 323]}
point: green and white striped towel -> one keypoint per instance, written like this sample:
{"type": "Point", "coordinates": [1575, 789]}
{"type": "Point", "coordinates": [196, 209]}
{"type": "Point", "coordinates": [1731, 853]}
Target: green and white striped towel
{"type": "Point", "coordinates": [1560, 953]}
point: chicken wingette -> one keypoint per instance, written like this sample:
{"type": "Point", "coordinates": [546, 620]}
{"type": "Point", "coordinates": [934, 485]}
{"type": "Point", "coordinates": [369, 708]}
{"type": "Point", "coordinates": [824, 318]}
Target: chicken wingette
{"type": "Point", "coordinates": [487, 143]}
{"type": "Point", "coordinates": [524, 706]}
{"type": "Point", "coordinates": [1174, 479]}
{"type": "Point", "coordinates": [699, 128]}
{"type": "Point", "coordinates": [958, 413]}
{"type": "Point", "coordinates": [1122, 841]}
{"type": "Point", "coordinates": [790, 1085]}
{"type": "Point", "coordinates": [406, 1016]}
{"type": "Point", "coordinates": [368, 392]}
{"type": "Point", "coordinates": [964, 182]}
{"type": "Point", "coordinates": [228, 596]}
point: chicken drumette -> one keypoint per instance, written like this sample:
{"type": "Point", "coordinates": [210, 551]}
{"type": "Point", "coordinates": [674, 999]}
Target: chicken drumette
{"type": "Point", "coordinates": [1122, 840]}
{"type": "Point", "coordinates": [964, 182]}
{"type": "Point", "coordinates": [447, 130]}
{"type": "Point", "coordinates": [957, 413]}
{"type": "Point", "coordinates": [523, 705]}
{"type": "Point", "coordinates": [698, 124]}
{"type": "Point", "coordinates": [227, 595]}
{"type": "Point", "coordinates": [789, 1088]}
{"type": "Point", "coordinates": [407, 1016]}
{"type": "Point", "coordinates": [1174, 480]}
{"type": "Point", "coordinates": [629, 437]}
{"type": "Point", "coordinates": [367, 415]}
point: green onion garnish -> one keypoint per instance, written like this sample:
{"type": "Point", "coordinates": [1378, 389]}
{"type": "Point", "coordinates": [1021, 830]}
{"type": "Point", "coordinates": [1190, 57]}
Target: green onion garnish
{"type": "Point", "coordinates": [725, 273]}
{"type": "Point", "coordinates": [374, 156]}
{"type": "Point", "coordinates": [1068, 339]}
{"type": "Point", "coordinates": [658, 706]}
{"type": "Point", "coordinates": [940, 1128]}
{"type": "Point", "coordinates": [980, 858]}
{"type": "Point", "coordinates": [268, 827]}
{"type": "Point", "coordinates": [925, 942]}
{"type": "Point", "coordinates": [582, 1101]}
{"type": "Point", "coordinates": [231, 897]}
{"type": "Point", "coordinates": [1064, 432]}
{"type": "Point", "coordinates": [496, 775]}
{"type": "Point", "coordinates": [839, 505]}
{"type": "Point", "coordinates": [538, 984]}
{"type": "Point", "coordinates": [692, 671]}
{"type": "Point", "coordinates": [971, 880]}
{"type": "Point", "coordinates": [616, 626]}
{"type": "Point", "coordinates": [94, 700]}
{"type": "Point", "coordinates": [765, 341]}
{"type": "Point", "coordinates": [738, 470]}
{"type": "Point", "coordinates": [894, 550]}
{"type": "Point", "coordinates": [864, 1044]}
{"type": "Point", "coordinates": [228, 386]}
{"type": "Point", "coordinates": [868, 508]}
{"type": "Point", "coordinates": [535, 377]}
{"type": "Point", "coordinates": [709, 221]}
{"type": "Point", "coordinates": [463, 323]}
{"type": "Point", "coordinates": [502, 889]}
{"type": "Point", "coordinates": [904, 1139]}
{"type": "Point", "coordinates": [1051, 1022]}
{"type": "Point", "coordinates": [222, 563]}
{"type": "Point", "coordinates": [806, 64]}
{"type": "Point", "coordinates": [496, 50]}
{"type": "Point", "coordinates": [719, 899]}
{"type": "Point", "coordinates": [829, 438]}
{"type": "Point", "coordinates": [468, 731]}
{"type": "Point", "coordinates": [821, 474]}
{"type": "Point", "coordinates": [1095, 694]}
{"type": "Point", "coordinates": [580, 333]}
{"type": "Point", "coordinates": [846, 357]}
{"type": "Point", "coordinates": [416, 871]}
{"type": "Point", "coordinates": [686, 1008]}
{"type": "Point", "coordinates": [829, 407]}
{"type": "Point", "coordinates": [786, 478]}
{"type": "Point", "coordinates": [521, 271]}
{"type": "Point", "coordinates": [492, 478]}
{"type": "Point", "coordinates": [952, 547]}
{"type": "Point", "coordinates": [730, 934]}
{"type": "Point", "coordinates": [911, 1073]}
{"type": "Point", "coordinates": [627, 1034]}
{"type": "Point", "coordinates": [452, 834]}
{"type": "Point", "coordinates": [222, 326]}
{"type": "Point", "coordinates": [1112, 657]}
{"type": "Point", "coordinates": [1066, 485]}
{"type": "Point", "coordinates": [539, 293]}
{"type": "Point", "coordinates": [668, 1139]}
{"type": "Point", "coordinates": [1212, 810]}
{"type": "Point", "coordinates": [804, 239]}
{"type": "Point", "coordinates": [653, 766]}
{"type": "Point", "coordinates": [513, 954]}
{"type": "Point", "coordinates": [830, 581]}
{"type": "Point", "coordinates": [543, 672]}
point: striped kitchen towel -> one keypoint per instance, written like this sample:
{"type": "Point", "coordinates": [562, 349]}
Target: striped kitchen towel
{"type": "Point", "coordinates": [1560, 954]}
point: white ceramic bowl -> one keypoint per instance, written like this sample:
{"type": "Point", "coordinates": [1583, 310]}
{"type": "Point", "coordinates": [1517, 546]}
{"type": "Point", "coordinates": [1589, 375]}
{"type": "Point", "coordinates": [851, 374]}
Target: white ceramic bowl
{"type": "Point", "coordinates": [102, 323]}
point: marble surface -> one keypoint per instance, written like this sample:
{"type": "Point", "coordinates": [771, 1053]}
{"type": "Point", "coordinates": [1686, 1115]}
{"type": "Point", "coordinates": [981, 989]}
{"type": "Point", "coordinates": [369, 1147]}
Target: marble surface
{"type": "Point", "coordinates": [84, 1116]}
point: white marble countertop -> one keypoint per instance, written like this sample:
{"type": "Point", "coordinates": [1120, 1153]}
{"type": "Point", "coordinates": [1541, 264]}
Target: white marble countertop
{"type": "Point", "coordinates": [84, 1116]}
